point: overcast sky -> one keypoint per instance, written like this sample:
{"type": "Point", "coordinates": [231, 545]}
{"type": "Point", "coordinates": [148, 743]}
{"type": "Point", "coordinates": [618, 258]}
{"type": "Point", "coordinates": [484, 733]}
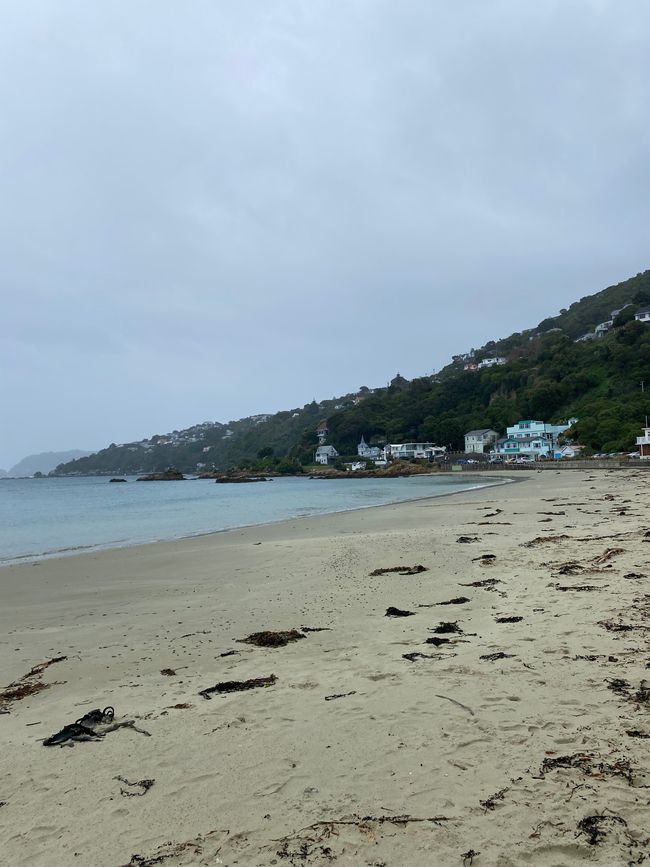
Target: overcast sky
{"type": "Point", "coordinates": [213, 209]}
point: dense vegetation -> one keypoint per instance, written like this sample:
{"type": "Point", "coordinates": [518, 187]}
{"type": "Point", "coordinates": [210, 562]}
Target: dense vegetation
{"type": "Point", "coordinates": [548, 376]}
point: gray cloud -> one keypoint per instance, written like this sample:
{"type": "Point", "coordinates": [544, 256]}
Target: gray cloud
{"type": "Point", "coordinates": [219, 209]}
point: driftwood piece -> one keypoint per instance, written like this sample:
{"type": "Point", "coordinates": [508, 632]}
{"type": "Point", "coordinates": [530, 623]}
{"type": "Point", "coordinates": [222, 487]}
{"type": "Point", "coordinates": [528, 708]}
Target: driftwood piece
{"type": "Point", "coordinates": [608, 554]}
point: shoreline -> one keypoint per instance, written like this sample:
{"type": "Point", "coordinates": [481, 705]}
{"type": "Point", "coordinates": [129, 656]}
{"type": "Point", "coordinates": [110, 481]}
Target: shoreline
{"type": "Point", "coordinates": [373, 744]}
{"type": "Point", "coordinates": [81, 550]}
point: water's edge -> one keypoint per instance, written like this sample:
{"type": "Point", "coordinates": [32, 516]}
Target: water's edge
{"type": "Point", "coordinates": [489, 482]}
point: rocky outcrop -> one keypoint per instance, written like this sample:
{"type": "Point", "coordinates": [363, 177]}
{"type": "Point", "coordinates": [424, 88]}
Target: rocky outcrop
{"type": "Point", "coordinates": [225, 480]}
{"type": "Point", "coordinates": [117, 480]}
{"type": "Point", "coordinates": [169, 475]}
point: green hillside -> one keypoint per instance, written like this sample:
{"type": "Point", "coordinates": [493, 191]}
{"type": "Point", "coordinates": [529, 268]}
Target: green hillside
{"type": "Point", "coordinates": [549, 374]}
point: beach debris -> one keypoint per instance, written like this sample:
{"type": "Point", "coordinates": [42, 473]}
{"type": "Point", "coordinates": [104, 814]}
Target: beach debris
{"type": "Point", "coordinates": [636, 733]}
{"type": "Point", "coordinates": [437, 642]}
{"type": "Point", "coordinates": [577, 587]}
{"type": "Point", "coordinates": [513, 619]}
{"type": "Point", "coordinates": [28, 684]}
{"type": "Point", "coordinates": [398, 612]}
{"type": "Point", "coordinates": [485, 559]}
{"type": "Point", "coordinates": [93, 725]}
{"type": "Point", "coordinates": [168, 672]}
{"type": "Point", "coordinates": [399, 570]}
{"type": "Point", "coordinates": [71, 732]}
{"type": "Point", "coordinates": [457, 703]}
{"type": "Point", "coordinates": [486, 583]}
{"type": "Point", "coordinates": [124, 724]}
{"type": "Point", "coordinates": [316, 628]}
{"type": "Point", "coordinates": [545, 540]}
{"type": "Point", "coordinates": [340, 695]}
{"type": "Point", "coordinates": [309, 845]}
{"type": "Point", "coordinates": [273, 639]}
{"type": "Point", "coordinates": [229, 686]}
{"type": "Point", "coordinates": [229, 653]}
{"type": "Point", "coordinates": [97, 717]}
{"type": "Point", "coordinates": [447, 626]}
{"type": "Point", "coordinates": [589, 765]}
{"type": "Point", "coordinates": [491, 802]}
{"type": "Point", "coordinates": [145, 785]}
{"type": "Point", "coordinates": [465, 540]}
{"type": "Point", "coordinates": [411, 657]}
{"type": "Point", "coordinates": [468, 857]}
{"type": "Point", "coordinates": [593, 827]}
{"type": "Point", "coordinates": [607, 555]}
{"type": "Point", "coordinates": [634, 575]}
{"type": "Point", "coordinates": [572, 567]}
{"type": "Point", "coordinates": [492, 657]}
{"type": "Point", "coordinates": [611, 626]}
{"type": "Point", "coordinates": [619, 686]}
{"type": "Point", "coordinates": [553, 514]}
{"type": "Point", "coordinates": [459, 600]}
{"type": "Point", "coordinates": [205, 847]}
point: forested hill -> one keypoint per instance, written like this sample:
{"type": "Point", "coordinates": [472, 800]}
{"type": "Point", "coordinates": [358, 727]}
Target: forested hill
{"type": "Point", "coordinates": [211, 445]}
{"type": "Point", "coordinates": [549, 374]}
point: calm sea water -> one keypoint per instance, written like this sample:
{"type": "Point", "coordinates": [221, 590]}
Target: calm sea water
{"type": "Point", "coordinates": [45, 517]}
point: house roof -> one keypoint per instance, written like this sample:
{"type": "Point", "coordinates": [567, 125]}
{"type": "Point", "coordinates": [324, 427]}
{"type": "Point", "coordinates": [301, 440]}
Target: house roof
{"type": "Point", "coordinates": [642, 311]}
{"type": "Point", "coordinates": [482, 430]}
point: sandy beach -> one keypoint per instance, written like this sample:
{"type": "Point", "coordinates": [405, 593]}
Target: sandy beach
{"type": "Point", "coordinates": [521, 735]}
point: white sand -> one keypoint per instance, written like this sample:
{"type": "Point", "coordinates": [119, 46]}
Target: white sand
{"type": "Point", "coordinates": [238, 777]}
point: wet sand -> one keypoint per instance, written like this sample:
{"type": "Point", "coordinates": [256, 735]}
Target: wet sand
{"type": "Point", "coordinates": [356, 755]}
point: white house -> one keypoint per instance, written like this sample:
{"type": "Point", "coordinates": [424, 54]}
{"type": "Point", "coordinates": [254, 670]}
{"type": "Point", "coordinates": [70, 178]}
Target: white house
{"type": "Point", "coordinates": [530, 446]}
{"type": "Point", "coordinates": [366, 451]}
{"type": "Point", "coordinates": [325, 455]}
{"type": "Point", "coordinates": [643, 315]}
{"type": "Point", "coordinates": [479, 440]}
{"type": "Point", "coordinates": [602, 329]}
{"type": "Point", "coordinates": [533, 438]}
{"type": "Point", "coordinates": [491, 362]}
{"type": "Point", "coordinates": [408, 451]}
